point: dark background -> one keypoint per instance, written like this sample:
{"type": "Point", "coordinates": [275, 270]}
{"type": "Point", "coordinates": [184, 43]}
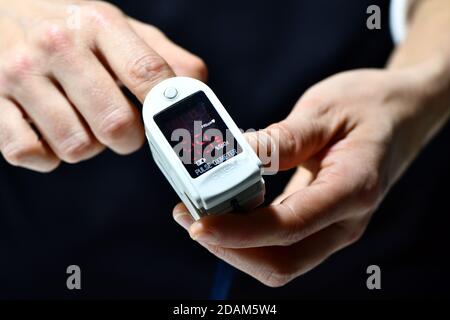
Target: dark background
{"type": "Point", "coordinates": [112, 215]}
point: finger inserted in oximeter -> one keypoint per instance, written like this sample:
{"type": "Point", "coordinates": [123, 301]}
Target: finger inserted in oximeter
{"type": "Point", "coordinates": [200, 150]}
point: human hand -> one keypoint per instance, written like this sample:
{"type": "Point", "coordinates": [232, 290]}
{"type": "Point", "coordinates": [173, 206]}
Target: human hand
{"type": "Point", "coordinates": [351, 137]}
{"type": "Point", "coordinates": [59, 92]}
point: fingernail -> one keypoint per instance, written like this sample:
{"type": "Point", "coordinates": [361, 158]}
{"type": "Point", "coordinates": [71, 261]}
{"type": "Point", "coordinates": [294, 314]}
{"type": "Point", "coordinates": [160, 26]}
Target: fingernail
{"type": "Point", "coordinates": [199, 233]}
{"type": "Point", "coordinates": [184, 219]}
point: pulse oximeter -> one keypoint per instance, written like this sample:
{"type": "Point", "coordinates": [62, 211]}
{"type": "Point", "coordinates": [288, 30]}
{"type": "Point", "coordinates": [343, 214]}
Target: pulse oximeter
{"type": "Point", "coordinates": [200, 150]}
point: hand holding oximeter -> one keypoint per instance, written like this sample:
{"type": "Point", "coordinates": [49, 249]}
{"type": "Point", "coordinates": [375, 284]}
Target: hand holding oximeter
{"type": "Point", "coordinates": [200, 150]}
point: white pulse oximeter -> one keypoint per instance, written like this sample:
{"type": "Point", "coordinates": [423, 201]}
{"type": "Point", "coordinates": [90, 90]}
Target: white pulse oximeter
{"type": "Point", "coordinates": [200, 150]}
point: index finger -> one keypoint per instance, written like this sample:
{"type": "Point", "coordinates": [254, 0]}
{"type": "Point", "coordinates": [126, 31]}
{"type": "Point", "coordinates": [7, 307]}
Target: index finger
{"type": "Point", "coordinates": [133, 62]}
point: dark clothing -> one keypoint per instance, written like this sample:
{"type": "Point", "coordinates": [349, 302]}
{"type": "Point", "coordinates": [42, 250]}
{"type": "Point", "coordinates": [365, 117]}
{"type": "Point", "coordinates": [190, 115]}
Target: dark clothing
{"type": "Point", "coordinates": [112, 215]}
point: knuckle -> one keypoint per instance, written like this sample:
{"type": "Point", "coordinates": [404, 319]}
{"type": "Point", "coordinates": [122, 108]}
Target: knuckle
{"type": "Point", "coordinates": [153, 30]}
{"type": "Point", "coordinates": [277, 276]}
{"type": "Point", "coordinates": [314, 101]}
{"type": "Point", "coordinates": [101, 13]}
{"type": "Point", "coordinates": [352, 230]}
{"type": "Point", "coordinates": [196, 67]}
{"type": "Point", "coordinates": [73, 148]}
{"type": "Point", "coordinates": [371, 192]}
{"type": "Point", "coordinates": [146, 70]}
{"type": "Point", "coordinates": [359, 184]}
{"type": "Point", "coordinates": [290, 234]}
{"type": "Point", "coordinates": [354, 234]}
{"type": "Point", "coordinates": [54, 38]}
{"type": "Point", "coordinates": [117, 124]}
{"type": "Point", "coordinates": [293, 227]}
{"type": "Point", "coordinates": [49, 167]}
{"type": "Point", "coordinates": [19, 66]}
{"type": "Point", "coordinates": [19, 154]}
{"type": "Point", "coordinates": [218, 251]}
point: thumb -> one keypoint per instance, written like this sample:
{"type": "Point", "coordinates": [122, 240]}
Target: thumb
{"type": "Point", "coordinates": [293, 140]}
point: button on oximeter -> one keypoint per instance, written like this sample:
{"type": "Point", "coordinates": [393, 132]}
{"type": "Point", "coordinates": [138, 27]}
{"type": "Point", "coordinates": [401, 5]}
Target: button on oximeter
{"type": "Point", "coordinates": [170, 93]}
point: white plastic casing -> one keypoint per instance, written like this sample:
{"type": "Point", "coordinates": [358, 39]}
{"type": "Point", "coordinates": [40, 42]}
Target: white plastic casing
{"type": "Point", "coordinates": [219, 185]}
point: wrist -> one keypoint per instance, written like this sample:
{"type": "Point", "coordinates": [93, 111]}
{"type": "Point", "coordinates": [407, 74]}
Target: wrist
{"type": "Point", "coordinates": [427, 101]}
{"type": "Point", "coordinates": [422, 107]}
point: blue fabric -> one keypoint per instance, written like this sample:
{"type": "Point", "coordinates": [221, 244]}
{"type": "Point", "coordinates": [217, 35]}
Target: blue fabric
{"type": "Point", "coordinates": [222, 281]}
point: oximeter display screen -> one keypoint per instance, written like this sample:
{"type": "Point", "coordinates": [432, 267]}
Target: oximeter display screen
{"type": "Point", "coordinates": [197, 134]}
